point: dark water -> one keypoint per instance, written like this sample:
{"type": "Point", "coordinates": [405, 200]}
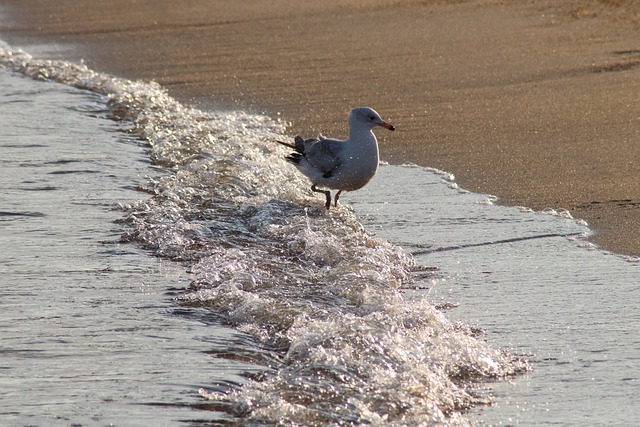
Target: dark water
{"type": "Point", "coordinates": [166, 266]}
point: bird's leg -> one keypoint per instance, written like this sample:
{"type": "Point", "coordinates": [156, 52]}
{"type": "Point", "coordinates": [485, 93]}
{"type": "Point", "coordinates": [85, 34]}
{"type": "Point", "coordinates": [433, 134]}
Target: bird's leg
{"type": "Point", "coordinates": [327, 194]}
{"type": "Point", "coordinates": [337, 197]}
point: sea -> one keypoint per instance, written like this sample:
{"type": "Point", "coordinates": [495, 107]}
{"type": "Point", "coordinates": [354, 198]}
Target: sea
{"type": "Point", "coordinates": [164, 265]}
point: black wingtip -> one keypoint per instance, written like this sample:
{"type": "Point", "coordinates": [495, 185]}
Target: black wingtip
{"type": "Point", "coordinates": [294, 158]}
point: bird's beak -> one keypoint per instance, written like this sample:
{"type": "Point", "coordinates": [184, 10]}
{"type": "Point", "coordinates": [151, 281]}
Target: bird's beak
{"type": "Point", "coordinates": [388, 126]}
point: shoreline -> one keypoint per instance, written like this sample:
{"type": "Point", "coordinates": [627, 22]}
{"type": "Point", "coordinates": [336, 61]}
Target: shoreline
{"type": "Point", "coordinates": [535, 103]}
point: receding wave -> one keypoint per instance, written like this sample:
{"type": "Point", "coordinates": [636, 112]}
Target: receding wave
{"type": "Point", "coordinates": [318, 294]}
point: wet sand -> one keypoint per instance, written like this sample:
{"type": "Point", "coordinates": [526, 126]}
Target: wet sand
{"type": "Point", "coordinates": [535, 102]}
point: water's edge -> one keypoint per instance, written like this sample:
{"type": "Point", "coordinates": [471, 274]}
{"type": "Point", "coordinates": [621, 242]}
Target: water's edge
{"type": "Point", "coordinates": [322, 301]}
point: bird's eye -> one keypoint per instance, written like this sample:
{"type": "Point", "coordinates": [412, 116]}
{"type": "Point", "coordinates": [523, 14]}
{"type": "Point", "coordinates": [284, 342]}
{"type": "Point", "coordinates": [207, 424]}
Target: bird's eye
{"type": "Point", "coordinates": [372, 118]}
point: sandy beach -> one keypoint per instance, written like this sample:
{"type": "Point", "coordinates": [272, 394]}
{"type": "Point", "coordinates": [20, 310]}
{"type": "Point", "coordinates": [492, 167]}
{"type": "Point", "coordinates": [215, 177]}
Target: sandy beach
{"type": "Point", "coordinates": [535, 102]}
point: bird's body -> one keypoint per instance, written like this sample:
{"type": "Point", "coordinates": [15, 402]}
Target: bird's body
{"type": "Point", "coordinates": [343, 165]}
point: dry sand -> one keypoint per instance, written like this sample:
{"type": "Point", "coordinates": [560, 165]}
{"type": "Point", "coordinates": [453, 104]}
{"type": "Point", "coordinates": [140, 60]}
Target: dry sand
{"type": "Point", "coordinates": [535, 102]}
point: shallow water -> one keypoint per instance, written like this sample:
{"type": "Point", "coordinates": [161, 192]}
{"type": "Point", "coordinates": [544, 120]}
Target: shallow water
{"type": "Point", "coordinates": [315, 304]}
{"type": "Point", "coordinates": [534, 285]}
{"type": "Point", "coordinates": [89, 329]}
{"type": "Point", "coordinates": [220, 289]}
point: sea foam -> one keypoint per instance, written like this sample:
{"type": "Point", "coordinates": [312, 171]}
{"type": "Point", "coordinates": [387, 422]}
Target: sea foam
{"type": "Point", "coordinates": [312, 288]}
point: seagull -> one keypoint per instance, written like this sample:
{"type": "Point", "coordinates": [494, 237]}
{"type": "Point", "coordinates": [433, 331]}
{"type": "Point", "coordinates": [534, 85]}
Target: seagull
{"type": "Point", "coordinates": [343, 165]}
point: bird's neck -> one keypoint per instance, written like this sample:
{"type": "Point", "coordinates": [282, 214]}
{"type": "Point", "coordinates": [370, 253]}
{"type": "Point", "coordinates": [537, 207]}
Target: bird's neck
{"type": "Point", "coordinates": [361, 135]}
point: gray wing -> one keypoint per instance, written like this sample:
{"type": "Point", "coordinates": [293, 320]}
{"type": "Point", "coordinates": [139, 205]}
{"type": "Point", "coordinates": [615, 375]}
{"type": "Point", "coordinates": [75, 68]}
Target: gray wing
{"type": "Point", "coordinates": [323, 154]}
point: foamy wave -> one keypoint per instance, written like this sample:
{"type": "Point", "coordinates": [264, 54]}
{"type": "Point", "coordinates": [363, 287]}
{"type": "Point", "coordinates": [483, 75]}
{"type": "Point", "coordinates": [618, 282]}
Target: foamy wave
{"type": "Point", "coordinates": [313, 287]}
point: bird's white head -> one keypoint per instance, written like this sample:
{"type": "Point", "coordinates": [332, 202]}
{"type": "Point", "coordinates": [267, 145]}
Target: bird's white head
{"type": "Point", "coordinates": [368, 117]}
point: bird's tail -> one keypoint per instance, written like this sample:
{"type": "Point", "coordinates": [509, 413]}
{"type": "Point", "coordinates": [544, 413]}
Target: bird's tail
{"type": "Point", "coordinates": [297, 146]}
{"type": "Point", "coordinates": [296, 156]}
{"type": "Point", "coordinates": [286, 144]}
